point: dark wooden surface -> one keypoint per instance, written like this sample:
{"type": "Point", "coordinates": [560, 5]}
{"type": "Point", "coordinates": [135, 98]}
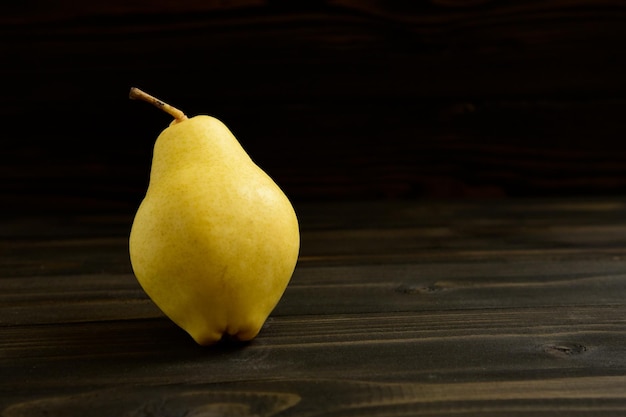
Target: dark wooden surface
{"type": "Point", "coordinates": [504, 308]}
{"type": "Point", "coordinates": [366, 113]}
{"type": "Point", "coordinates": [337, 99]}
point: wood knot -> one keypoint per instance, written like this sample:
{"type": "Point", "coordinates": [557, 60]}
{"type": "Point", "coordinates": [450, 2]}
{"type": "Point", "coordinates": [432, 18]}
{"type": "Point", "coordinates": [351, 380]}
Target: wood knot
{"type": "Point", "coordinates": [562, 350]}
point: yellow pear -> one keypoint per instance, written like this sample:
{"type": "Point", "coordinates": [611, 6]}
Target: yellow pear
{"type": "Point", "coordinates": [215, 241]}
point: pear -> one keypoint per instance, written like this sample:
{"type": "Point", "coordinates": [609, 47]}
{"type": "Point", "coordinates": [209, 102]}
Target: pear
{"type": "Point", "coordinates": [215, 241]}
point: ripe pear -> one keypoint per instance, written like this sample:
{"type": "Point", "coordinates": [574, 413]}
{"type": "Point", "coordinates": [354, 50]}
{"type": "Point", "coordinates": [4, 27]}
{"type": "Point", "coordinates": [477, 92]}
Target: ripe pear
{"type": "Point", "coordinates": [215, 241]}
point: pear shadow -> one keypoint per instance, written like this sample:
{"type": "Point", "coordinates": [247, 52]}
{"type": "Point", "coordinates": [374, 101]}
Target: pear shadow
{"type": "Point", "coordinates": [138, 342]}
{"type": "Point", "coordinates": [228, 344]}
{"type": "Point", "coordinates": [136, 352]}
{"type": "Point", "coordinates": [162, 339]}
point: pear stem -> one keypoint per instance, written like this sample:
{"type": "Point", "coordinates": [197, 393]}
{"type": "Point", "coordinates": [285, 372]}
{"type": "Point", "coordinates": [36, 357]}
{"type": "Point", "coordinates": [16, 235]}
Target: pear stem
{"type": "Point", "coordinates": [137, 94]}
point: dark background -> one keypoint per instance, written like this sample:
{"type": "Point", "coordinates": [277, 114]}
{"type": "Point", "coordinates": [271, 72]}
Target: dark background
{"type": "Point", "coordinates": [336, 99]}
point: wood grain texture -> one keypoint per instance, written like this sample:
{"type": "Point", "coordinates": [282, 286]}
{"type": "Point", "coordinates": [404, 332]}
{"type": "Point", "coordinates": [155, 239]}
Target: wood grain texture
{"type": "Point", "coordinates": [504, 308]}
{"type": "Point", "coordinates": [336, 99]}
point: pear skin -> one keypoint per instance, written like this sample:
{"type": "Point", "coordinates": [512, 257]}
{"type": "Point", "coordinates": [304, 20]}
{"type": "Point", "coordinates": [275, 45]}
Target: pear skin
{"type": "Point", "coordinates": [215, 241]}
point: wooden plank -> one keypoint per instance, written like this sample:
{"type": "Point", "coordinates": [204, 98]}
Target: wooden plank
{"type": "Point", "coordinates": [336, 99]}
{"type": "Point", "coordinates": [339, 290]}
{"type": "Point", "coordinates": [397, 308]}
{"type": "Point", "coordinates": [529, 41]}
{"type": "Point", "coordinates": [574, 396]}
{"type": "Point", "coordinates": [479, 347]}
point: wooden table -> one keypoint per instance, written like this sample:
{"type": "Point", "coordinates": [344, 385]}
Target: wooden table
{"type": "Point", "coordinates": [511, 307]}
